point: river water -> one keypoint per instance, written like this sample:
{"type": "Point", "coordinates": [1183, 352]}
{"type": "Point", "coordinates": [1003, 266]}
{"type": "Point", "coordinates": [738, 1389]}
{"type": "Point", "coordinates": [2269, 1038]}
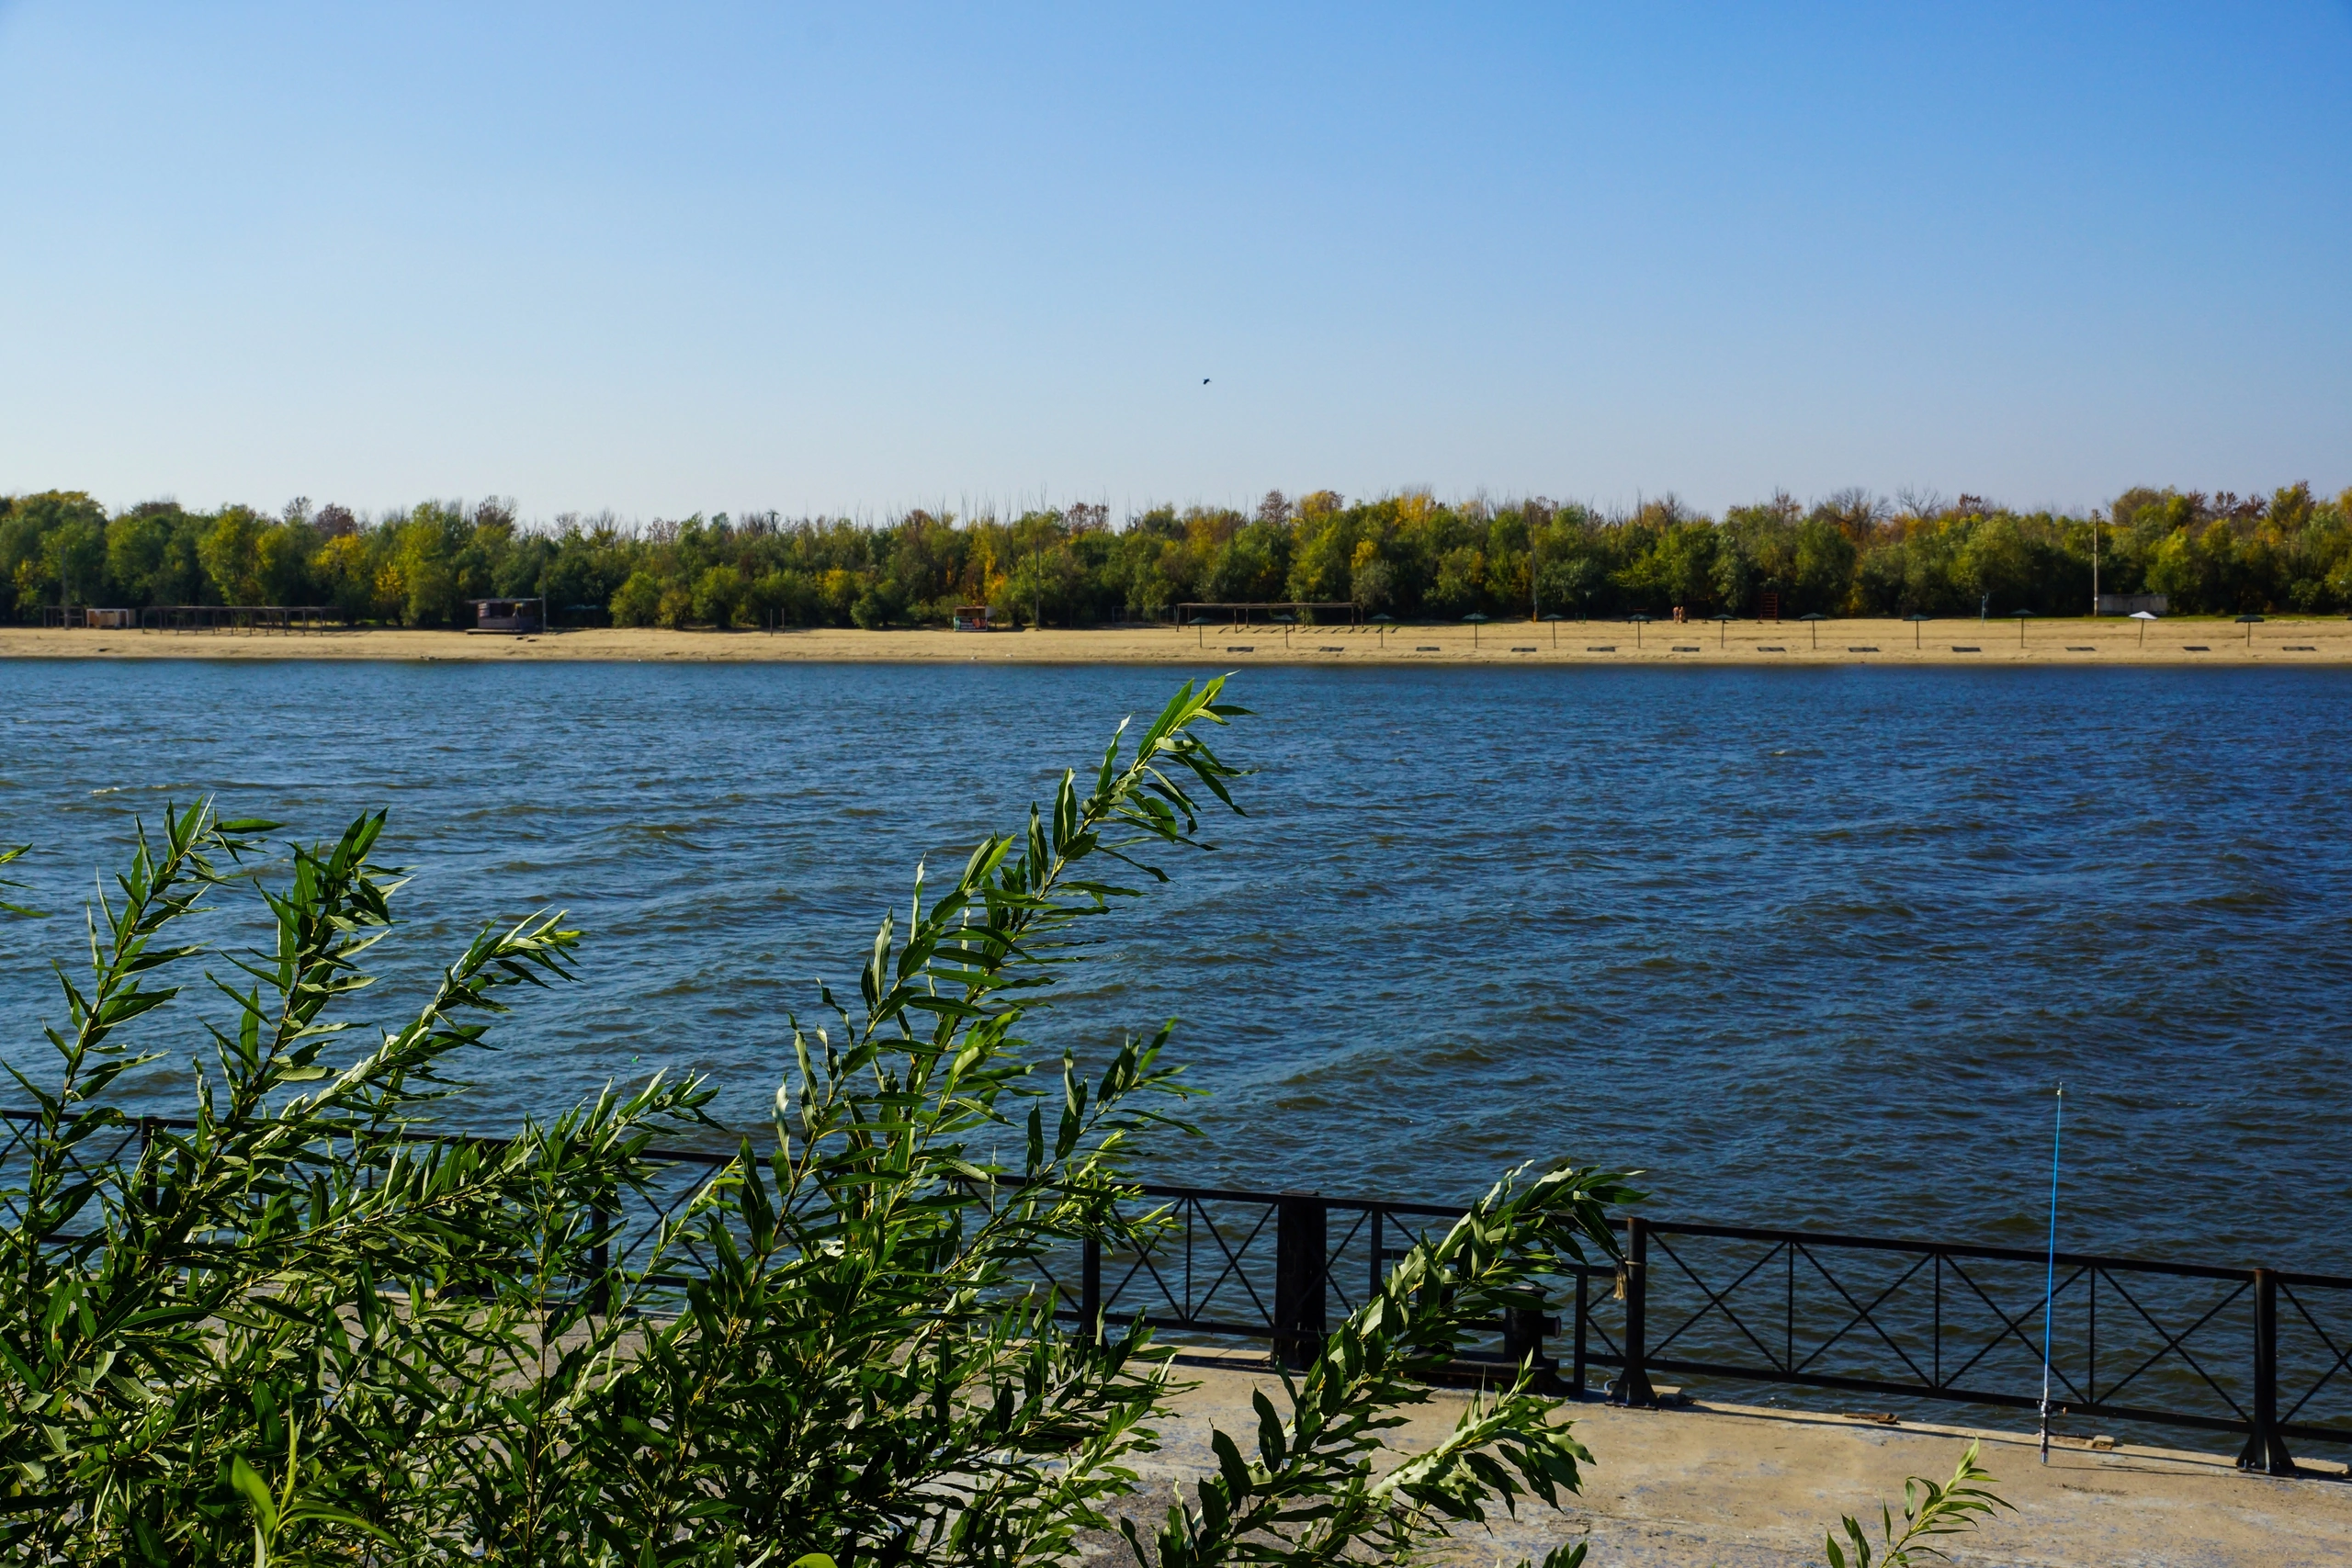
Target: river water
{"type": "Point", "coordinates": [1810, 947]}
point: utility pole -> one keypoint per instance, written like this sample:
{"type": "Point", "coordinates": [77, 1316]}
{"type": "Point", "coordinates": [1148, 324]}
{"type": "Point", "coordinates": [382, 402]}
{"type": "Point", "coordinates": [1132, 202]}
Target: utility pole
{"type": "Point", "coordinates": [2094, 566]}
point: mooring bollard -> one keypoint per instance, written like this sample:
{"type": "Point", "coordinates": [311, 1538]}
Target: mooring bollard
{"type": "Point", "coordinates": [1299, 1263]}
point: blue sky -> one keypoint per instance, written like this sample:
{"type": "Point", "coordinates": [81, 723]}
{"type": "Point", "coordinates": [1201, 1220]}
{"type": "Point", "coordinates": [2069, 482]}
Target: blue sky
{"type": "Point", "coordinates": [714, 257]}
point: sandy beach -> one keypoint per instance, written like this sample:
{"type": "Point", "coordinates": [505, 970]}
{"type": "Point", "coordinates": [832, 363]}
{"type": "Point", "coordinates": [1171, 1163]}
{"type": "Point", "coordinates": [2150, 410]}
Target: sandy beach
{"type": "Point", "coordinates": [2186, 641]}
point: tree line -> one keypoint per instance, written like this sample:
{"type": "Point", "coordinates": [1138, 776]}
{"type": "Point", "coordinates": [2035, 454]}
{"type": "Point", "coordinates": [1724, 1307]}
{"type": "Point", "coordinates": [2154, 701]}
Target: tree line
{"type": "Point", "coordinates": [1409, 555]}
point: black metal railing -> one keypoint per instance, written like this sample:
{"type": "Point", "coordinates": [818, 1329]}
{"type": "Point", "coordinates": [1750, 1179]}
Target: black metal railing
{"type": "Point", "coordinates": [2260, 1354]}
{"type": "Point", "coordinates": [2181, 1344]}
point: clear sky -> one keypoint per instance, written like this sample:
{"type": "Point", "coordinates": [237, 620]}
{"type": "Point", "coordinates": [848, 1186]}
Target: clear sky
{"type": "Point", "coordinates": [706, 258]}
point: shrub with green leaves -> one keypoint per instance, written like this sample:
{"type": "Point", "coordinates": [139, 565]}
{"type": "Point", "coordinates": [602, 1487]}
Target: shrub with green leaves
{"type": "Point", "coordinates": [317, 1326]}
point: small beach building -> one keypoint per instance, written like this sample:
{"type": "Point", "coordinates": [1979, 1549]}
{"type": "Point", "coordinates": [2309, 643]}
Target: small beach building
{"type": "Point", "coordinates": [513, 617]}
{"type": "Point", "coordinates": [974, 618]}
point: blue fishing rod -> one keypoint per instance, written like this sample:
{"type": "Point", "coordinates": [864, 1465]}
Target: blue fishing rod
{"type": "Point", "coordinates": [2049, 1276]}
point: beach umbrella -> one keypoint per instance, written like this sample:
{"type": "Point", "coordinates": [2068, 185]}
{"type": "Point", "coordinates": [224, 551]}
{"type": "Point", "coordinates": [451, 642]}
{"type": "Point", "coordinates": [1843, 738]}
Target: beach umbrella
{"type": "Point", "coordinates": [1639, 621]}
{"type": "Point", "coordinates": [2249, 623]}
{"type": "Point", "coordinates": [1815, 617]}
{"type": "Point", "coordinates": [1288, 621]}
{"type": "Point", "coordinates": [1476, 620]}
{"type": "Point", "coordinates": [2143, 617]}
{"type": "Point", "coordinates": [1556, 618]}
{"type": "Point", "coordinates": [1383, 622]}
{"type": "Point", "coordinates": [1723, 627]}
{"type": "Point", "coordinates": [2022, 618]}
{"type": "Point", "coordinates": [1914, 618]}
{"type": "Point", "coordinates": [1202, 637]}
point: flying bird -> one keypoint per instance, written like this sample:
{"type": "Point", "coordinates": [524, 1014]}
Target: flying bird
{"type": "Point", "coordinates": [1204, 381]}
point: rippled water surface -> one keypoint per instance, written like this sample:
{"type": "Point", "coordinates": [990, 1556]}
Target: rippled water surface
{"type": "Point", "coordinates": [1811, 947]}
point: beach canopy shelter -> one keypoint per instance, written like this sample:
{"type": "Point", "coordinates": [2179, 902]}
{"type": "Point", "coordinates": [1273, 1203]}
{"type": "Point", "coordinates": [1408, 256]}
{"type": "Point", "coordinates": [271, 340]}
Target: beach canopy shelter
{"type": "Point", "coordinates": [2022, 618]}
{"type": "Point", "coordinates": [1813, 620]}
{"type": "Point", "coordinates": [1915, 618]}
{"type": "Point", "coordinates": [1476, 620]}
{"type": "Point", "coordinates": [1638, 620]}
{"type": "Point", "coordinates": [2249, 623]}
{"type": "Point", "coordinates": [1556, 618]}
{"type": "Point", "coordinates": [1723, 619]}
{"type": "Point", "coordinates": [2143, 617]}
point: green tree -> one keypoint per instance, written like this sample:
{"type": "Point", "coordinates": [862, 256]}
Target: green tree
{"type": "Point", "coordinates": [718, 595]}
{"type": "Point", "coordinates": [1251, 565]}
{"type": "Point", "coordinates": [1322, 560]}
{"type": "Point", "coordinates": [1825, 566]}
{"type": "Point", "coordinates": [282, 563]}
{"type": "Point", "coordinates": [1461, 583]}
{"type": "Point", "coordinates": [1993, 562]}
{"type": "Point", "coordinates": [77, 560]}
{"type": "Point", "coordinates": [638, 601]}
{"type": "Point", "coordinates": [1566, 586]}
{"type": "Point", "coordinates": [138, 557]}
{"type": "Point", "coordinates": [2177, 570]}
{"type": "Point", "coordinates": [229, 552]}
{"type": "Point", "coordinates": [43, 538]}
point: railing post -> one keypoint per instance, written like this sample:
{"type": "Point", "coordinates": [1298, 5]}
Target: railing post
{"type": "Point", "coordinates": [1298, 1280]}
{"type": "Point", "coordinates": [1633, 1389]}
{"type": "Point", "coordinates": [147, 1184]}
{"type": "Point", "coordinates": [1583, 1330]}
{"type": "Point", "coordinates": [1524, 1332]}
{"type": "Point", "coordinates": [1090, 1290]}
{"type": "Point", "coordinates": [600, 1262]}
{"type": "Point", "coordinates": [2265, 1450]}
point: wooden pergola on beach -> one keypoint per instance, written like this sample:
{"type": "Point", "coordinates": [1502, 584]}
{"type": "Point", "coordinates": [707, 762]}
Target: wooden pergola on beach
{"type": "Point", "coordinates": [1241, 612]}
{"type": "Point", "coordinates": [246, 620]}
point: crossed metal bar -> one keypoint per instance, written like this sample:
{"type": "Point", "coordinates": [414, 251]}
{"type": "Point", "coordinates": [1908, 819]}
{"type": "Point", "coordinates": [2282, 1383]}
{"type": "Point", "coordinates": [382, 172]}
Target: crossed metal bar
{"type": "Point", "coordinates": [1721, 1332]}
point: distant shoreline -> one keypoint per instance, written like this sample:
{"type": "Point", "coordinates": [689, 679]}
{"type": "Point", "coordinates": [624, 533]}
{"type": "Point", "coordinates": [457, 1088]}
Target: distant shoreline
{"type": "Point", "coordinates": [2185, 641]}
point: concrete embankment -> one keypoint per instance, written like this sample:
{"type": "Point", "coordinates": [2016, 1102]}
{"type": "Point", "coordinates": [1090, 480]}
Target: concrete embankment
{"type": "Point", "coordinates": [1741, 1487]}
